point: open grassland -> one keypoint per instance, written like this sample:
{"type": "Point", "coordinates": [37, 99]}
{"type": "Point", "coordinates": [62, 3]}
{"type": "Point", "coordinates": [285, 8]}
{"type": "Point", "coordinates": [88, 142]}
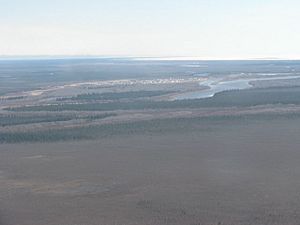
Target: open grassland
{"type": "Point", "coordinates": [231, 172]}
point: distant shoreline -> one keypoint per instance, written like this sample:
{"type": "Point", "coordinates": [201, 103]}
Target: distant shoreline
{"type": "Point", "coordinates": [138, 58]}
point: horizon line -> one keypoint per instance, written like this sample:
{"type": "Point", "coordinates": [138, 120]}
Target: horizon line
{"type": "Point", "coordinates": [148, 58]}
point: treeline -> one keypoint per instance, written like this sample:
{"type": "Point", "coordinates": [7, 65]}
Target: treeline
{"type": "Point", "coordinates": [250, 97]}
{"type": "Point", "coordinates": [156, 126]}
{"type": "Point", "coordinates": [115, 95]}
{"type": "Point", "coordinates": [259, 96]}
{"type": "Point", "coordinates": [102, 131]}
{"type": "Point", "coordinates": [15, 98]}
{"type": "Point", "coordinates": [9, 120]}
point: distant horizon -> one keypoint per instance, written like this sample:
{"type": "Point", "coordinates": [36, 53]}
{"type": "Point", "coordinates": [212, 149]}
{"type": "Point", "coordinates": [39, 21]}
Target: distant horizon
{"type": "Point", "coordinates": [167, 58]}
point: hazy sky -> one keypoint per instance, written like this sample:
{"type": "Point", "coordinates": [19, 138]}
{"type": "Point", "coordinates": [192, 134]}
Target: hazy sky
{"type": "Point", "coordinates": [198, 28]}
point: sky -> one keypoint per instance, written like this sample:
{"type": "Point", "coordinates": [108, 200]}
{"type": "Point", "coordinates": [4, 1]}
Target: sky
{"type": "Point", "coordinates": [207, 29]}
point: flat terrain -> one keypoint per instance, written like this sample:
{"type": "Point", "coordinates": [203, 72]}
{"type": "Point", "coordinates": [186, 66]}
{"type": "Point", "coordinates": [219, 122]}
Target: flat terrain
{"type": "Point", "coordinates": [125, 142]}
{"type": "Point", "coordinates": [238, 172]}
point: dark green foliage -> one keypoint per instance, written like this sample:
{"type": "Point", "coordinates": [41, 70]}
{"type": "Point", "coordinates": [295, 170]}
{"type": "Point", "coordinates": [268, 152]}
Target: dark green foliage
{"type": "Point", "coordinates": [15, 98]}
{"type": "Point", "coordinates": [92, 132]}
{"type": "Point", "coordinates": [250, 97]}
{"type": "Point", "coordinates": [115, 95]}
{"type": "Point", "coordinates": [157, 126]}
{"type": "Point", "coordinates": [100, 116]}
{"type": "Point", "coordinates": [9, 120]}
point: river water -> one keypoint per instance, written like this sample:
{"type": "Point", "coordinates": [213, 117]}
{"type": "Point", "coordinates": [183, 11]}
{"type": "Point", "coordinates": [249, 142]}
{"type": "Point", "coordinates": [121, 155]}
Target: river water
{"type": "Point", "coordinates": [216, 85]}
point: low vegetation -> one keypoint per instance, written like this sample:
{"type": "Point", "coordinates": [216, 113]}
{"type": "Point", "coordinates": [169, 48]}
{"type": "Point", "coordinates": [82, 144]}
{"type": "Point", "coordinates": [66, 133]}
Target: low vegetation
{"type": "Point", "coordinates": [156, 126]}
{"type": "Point", "coordinates": [9, 120]}
{"type": "Point", "coordinates": [250, 97]}
{"type": "Point", "coordinates": [115, 95]}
